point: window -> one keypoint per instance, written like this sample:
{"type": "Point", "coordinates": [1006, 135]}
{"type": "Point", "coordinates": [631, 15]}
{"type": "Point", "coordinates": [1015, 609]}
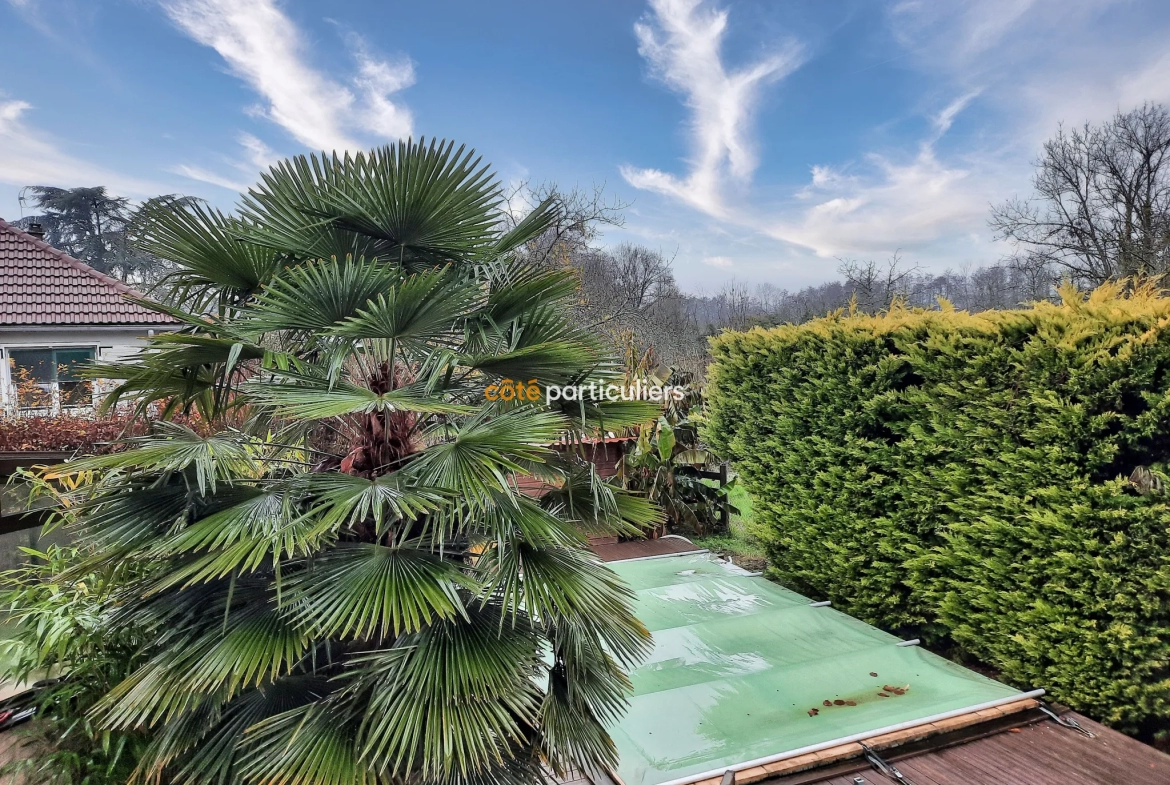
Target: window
{"type": "Point", "coordinates": [37, 373]}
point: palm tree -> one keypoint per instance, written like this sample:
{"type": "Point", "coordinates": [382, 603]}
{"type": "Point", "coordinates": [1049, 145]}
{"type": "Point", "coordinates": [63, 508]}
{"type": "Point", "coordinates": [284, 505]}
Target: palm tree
{"type": "Point", "coordinates": [341, 581]}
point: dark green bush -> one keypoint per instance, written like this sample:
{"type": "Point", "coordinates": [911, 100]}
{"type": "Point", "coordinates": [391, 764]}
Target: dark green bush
{"type": "Point", "coordinates": [962, 477]}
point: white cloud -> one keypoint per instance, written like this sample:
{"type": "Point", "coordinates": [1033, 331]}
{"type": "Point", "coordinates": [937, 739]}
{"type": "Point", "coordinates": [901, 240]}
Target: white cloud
{"type": "Point", "coordinates": [824, 175]}
{"type": "Point", "coordinates": [893, 204]}
{"type": "Point", "coordinates": [1039, 62]}
{"type": "Point", "coordinates": [11, 111]}
{"type": "Point", "coordinates": [892, 200]}
{"type": "Point", "coordinates": [943, 120]}
{"type": "Point", "coordinates": [974, 27]}
{"type": "Point", "coordinates": [1017, 68]}
{"type": "Point", "coordinates": [682, 41]}
{"type": "Point", "coordinates": [210, 177]}
{"type": "Point", "coordinates": [28, 156]}
{"type": "Point", "coordinates": [264, 48]}
{"type": "Point", "coordinates": [722, 262]}
{"type": "Point", "coordinates": [256, 157]}
{"type": "Point", "coordinates": [376, 80]}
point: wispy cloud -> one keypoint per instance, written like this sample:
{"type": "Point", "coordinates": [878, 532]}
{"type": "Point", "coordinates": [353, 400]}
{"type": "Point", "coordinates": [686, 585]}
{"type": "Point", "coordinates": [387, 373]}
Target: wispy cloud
{"type": "Point", "coordinates": [1040, 62]}
{"type": "Point", "coordinates": [257, 155]}
{"type": "Point", "coordinates": [254, 157]}
{"type": "Point", "coordinates": [722, 262]}
{"type": "Point", "coordinates": [376, 80]}
{"type": "Point", "coordinates": [1013, 69]}
{"type": "Point", "coordinates": [29, 156]}
{"type": "Point", "coordinates": [890, 200]}
{"type": "Point", "coordinates": [681, 41]}
{"type": "Point", "coordinates": [1028, 65]}
{"type": "Point", "coordinates": [265, 49]}
{"type": "Point", "coordinates": [211, 178]}
{"type": "Point", "coordinates": [889, 204]}
{"type": "Point", "coordinates": [943, 121]}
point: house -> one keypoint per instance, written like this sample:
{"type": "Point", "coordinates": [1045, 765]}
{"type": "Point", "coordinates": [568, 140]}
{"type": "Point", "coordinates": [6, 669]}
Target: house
{"type": "Point", "coordinates": [56, 314]}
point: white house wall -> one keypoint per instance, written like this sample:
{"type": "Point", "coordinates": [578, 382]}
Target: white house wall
{"type": "Point", "coordinates": [109, 343]}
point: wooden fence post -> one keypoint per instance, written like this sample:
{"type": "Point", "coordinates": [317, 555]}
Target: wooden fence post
{"type": "Point", "coordinates": [725, 513]}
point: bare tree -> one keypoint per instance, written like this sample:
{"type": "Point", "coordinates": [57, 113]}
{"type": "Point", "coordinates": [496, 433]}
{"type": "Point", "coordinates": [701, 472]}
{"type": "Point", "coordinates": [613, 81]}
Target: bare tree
{"type": "Point", "coordinates": [623, 285]}
{"type": "Point", "coordinates": [583, 215]}
{"type": "Point", "coordinates": [1101, 207]}
{"type": "Point", "coordinates": [737, 306]}
{"type": "Point", "coordinates": [874, 285]}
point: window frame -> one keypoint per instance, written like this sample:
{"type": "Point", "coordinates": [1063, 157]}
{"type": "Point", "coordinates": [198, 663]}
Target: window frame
{"type": "Point", "coordinates": [8, 399]}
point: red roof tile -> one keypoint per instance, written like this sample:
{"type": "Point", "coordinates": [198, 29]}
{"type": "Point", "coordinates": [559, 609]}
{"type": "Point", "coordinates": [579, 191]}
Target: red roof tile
{"type": "Point", "coordinates": [41, 285]}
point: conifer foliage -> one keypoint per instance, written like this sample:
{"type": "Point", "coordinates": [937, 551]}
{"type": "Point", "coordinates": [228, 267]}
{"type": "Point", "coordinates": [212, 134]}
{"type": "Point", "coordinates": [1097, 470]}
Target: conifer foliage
{"type": "Point", "coordinates": [339, 580]}
{"type": "Point", "coordinates": [967, 478]}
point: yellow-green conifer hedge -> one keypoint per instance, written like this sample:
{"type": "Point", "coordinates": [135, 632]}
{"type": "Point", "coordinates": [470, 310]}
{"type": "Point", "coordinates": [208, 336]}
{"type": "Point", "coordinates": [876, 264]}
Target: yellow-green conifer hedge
{"type": "Point", "coordinates": [963, 477]}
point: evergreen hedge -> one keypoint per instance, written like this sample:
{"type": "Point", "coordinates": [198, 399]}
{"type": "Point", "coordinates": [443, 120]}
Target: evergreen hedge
{"type": "Point", "coordinates": [963, 477]}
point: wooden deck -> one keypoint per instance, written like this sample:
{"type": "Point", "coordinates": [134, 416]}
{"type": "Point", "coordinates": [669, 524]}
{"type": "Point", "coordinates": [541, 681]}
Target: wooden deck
{"type": "Point", "coordinates": [641, 549]}
{"type": "Point", "coordinates": [1036, 753]}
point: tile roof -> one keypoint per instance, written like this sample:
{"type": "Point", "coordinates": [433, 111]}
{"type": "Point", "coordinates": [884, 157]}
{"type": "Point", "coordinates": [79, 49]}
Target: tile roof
{"type": "Point", "coordinates": [40, 285]}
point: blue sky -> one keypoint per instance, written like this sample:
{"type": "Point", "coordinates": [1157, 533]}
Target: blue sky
{"type": "Point", "coordinates": [756, 140]}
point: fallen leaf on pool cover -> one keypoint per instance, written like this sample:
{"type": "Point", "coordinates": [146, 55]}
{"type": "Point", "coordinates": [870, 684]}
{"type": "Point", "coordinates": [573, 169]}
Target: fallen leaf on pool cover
{"type": "Point", "coordinates": [883, 695]}
{"type": "Point", "coordinates": [850, 703]}
{"type": "Point", "coordinates": [871, 673]}
{"type": "Point", "coordinates": [813, 712]}
{"type": "Point", "coordinates": [827, 703]}
{"type": "Point", "coordinates": [838, 702]}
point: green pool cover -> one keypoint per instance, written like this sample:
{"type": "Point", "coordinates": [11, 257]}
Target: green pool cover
{"type": "Point", "coordinates": [739, 662]}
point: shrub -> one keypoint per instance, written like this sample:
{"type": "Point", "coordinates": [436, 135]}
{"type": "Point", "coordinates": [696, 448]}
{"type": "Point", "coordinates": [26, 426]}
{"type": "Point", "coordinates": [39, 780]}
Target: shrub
{"type": "Point", "coordinates": [56, 624]}
{"type": "Point", "coordinates": [65, 432]}
{"type": "Point", "coordinates": [664, 465]}
{"type": "Point", "coordinates": [960, 477]}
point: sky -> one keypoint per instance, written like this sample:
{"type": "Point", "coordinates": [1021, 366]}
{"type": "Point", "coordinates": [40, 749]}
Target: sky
{"type": "Point", "coordinates": [757, 140]}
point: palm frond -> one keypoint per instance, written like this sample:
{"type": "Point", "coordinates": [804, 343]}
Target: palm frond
{"type": "Point", "coordinates": [455, 700]}
{"type": "Point", "coordinates": [425, 308]}
{"type": "Point", "coordinates": [206, 246]}
{"type": "Point", "coordinates": [243, 639]}
{"type": "Point", "coordinates": [598, 506]}
{"type": "Point", "coordinates": [308, 398]}
{"type": "Point", "coordinates": [567, 586]}
{"type": "Point", "coordinates": [483, 451]}
{"type": "Point", "coordinates": [314, 744]}
{"type": "Point", "coordinates": [530, 227]}
{"type": "Point", "coordinates": [215, 759]}
{"type": "Point", "coordinates": [515, 289]}
{"type": "Point", "coordinates": [320, 294]}
{"type": "Point", "coordinates": [342, 500]}
{"type": "Point", "coordinates": [180, 370]}
{"type": "Point", "coordinates": [176, 448]}
{"type": "Point", "coordinates": [423, 205]}
{"type": "Point", "coordinates": [511, 518]}
{"type": "Point", "coordinates": [363, 591]}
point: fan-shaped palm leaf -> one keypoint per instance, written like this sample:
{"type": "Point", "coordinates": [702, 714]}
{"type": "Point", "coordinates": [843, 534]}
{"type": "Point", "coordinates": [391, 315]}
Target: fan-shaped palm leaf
{"type": "Point", "coordinates": [317, 295]}
{"type": "Point", "coordinates": [412, 202]}
{"type": "Point", "coordinates": [205, 244]}
{"type": "Point", "coordinates": [362, 590]}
